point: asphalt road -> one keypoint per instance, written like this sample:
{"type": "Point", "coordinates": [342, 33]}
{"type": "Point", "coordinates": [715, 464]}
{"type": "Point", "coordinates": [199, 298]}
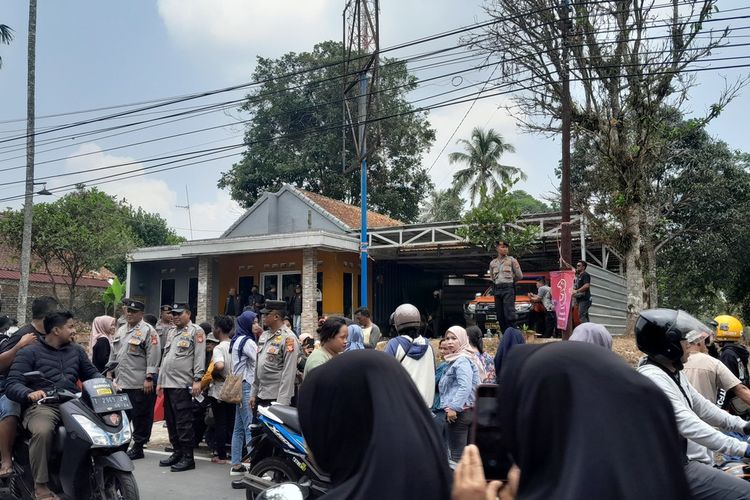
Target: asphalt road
{"type": "Point", "coordinates": [206, 481]}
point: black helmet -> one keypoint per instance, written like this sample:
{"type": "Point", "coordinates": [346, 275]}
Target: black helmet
{"type": "Point", "coordinates": [658, 332]}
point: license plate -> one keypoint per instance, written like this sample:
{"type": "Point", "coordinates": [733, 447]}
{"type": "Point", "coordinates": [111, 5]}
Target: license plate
{"type": "Point", "coordinates": [491, 317]}
{"type": "Point", "coordinates": [492, 326]}
{"type": "Point", "coordinates": [107, 404]}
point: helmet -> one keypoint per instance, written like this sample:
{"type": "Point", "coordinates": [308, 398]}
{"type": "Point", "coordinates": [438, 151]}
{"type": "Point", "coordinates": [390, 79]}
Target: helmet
{"type": "Point", "coordinates": [406, 316]}
{"type": "Point", "coordinates": [658, 332]}
{"type": "Point", "coordinates": [728, 328]}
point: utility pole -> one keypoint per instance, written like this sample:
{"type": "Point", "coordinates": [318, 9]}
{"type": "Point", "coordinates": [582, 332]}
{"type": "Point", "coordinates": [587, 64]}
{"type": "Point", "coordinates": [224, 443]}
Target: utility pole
{"type": "Point", "coordinates": [361, 56]}
{"type": "Point", "coordinates": [566, 253]}
{"type": "Point", "coordinates": [187, 207]}
{"type": "Point", "coordinates": [28, 204]}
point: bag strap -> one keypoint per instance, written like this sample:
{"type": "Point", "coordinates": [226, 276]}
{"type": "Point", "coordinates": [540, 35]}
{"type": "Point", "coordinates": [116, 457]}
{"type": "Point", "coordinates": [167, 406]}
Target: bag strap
{"type": "Point", "coordinates": [406, 352]}
{"type": "Point", "coordinates": [240, 352]}
{"type": "Point", "coordinates": [674, 377]}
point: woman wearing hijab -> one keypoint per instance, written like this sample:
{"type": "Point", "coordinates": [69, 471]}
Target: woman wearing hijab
{"type": "Point", "coordinates": [457, 388]}
{"type": "Point", "coordinates": [244, 352]}
{"type": "Point", "coordinates": [391, 449]}
{"type": "Point", "coordinates": [100, 346]}
{"type": "Point", "coordinates": [511, 337]}
{"type": "Point", "coordinates": [592, 333]}
{"type": "Point", "coordinates": [356, 338]}
{"type": "Point", "coordinates": [580, 423]}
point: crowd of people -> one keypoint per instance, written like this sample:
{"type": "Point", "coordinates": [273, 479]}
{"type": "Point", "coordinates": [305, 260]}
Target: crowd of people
{"type": "Point", "coordinates": [575, 420]}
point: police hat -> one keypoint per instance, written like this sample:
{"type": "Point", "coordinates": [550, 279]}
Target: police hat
{"type": "Point", "coordinates": [180, 307]}
{"type": "Point", "coordinates": [274, 305]}
{"type": "Point", "coordinates": [134, 304]}
{"type": "Point", "coordinates": [212, 338]}
{"type": "Point", "coordinates": [166, 308]}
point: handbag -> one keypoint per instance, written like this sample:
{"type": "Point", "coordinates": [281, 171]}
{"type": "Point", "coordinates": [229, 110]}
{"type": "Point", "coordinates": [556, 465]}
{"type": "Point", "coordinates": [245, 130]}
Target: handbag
{"type": "Point", "coordinates": [231, 391]}
{"type": "Point", "coordinates": [538, 307]}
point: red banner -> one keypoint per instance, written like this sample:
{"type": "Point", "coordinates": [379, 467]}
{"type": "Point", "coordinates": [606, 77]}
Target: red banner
{"type": "Point", "coordinates": [561, 283]}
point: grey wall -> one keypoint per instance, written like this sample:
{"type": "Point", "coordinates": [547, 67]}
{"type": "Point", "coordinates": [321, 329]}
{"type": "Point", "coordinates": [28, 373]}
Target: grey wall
{"type": "Point", "coordinates": [281, 214]}
{"type": "Point", "coordinates": [145, 280]}
{"type": "Point", "coordinates": [609, 295]}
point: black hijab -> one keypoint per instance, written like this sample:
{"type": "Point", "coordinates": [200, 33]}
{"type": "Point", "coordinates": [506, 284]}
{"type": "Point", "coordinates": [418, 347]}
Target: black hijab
{"type": "Point", "coordinates": [580, 423]}
{"type": "Point", "coordinates": [367, 426]}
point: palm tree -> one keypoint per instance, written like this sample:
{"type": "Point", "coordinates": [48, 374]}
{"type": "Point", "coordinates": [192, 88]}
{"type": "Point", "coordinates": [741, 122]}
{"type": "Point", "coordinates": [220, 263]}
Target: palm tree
{"type": "Point", "coordinates": [6, 36]}
{"type": "Point", "coordinates": [442, 205]}
{"type": "Point", "coordinates": [481, 156]}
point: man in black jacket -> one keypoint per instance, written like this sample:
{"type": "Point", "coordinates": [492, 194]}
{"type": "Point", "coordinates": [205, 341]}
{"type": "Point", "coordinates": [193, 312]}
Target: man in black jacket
{"type": "Point", "coordinates": [63, 364]}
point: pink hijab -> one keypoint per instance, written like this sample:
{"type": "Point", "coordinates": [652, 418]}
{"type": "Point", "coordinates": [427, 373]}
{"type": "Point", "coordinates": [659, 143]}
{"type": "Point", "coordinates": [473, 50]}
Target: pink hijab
{"type": "Point", "coordinates": [464, 350]}
{"type": "Point", "coordinates": [101, 327]}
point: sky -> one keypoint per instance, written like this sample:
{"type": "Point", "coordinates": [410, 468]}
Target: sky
{"type": "Point", "coordinates": [93, 54]}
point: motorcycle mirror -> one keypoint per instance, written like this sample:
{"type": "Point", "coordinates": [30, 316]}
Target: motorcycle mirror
{"type": "Point", "coordinates": [285, 491]}
{"type": "Point", "coordinates": [110, 366]}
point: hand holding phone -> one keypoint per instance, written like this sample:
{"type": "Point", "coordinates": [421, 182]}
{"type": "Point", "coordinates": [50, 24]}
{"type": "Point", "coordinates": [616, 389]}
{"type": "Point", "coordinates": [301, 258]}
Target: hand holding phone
{"type": "Point", "coordinates": [486, 434]}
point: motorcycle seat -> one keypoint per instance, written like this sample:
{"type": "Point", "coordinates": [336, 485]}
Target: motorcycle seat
{"type": "Point", "coordinates": [288, 415]}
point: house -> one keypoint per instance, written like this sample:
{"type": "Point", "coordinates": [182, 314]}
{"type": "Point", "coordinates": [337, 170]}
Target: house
{"type": "Point", "coordinates": [288, 238]}
{"type": "Point", "coordinates": [53, 282]}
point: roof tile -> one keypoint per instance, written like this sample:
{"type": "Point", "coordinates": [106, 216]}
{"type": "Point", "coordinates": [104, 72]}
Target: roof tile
{"type": "Point", "coordinates": [350, 214]}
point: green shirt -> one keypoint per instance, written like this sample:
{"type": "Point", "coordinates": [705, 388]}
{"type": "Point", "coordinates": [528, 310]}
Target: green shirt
{"type": "Point", "coordinates": [317, 358]}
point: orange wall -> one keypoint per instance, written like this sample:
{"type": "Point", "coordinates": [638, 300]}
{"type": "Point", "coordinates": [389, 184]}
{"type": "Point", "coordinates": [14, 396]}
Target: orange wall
{"type": "Point", "coordinates": [333, 265]}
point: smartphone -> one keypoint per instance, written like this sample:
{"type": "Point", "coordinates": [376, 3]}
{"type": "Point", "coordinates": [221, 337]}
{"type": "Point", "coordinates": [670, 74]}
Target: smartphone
{"type": "Point", "coordinates": [486, 434]}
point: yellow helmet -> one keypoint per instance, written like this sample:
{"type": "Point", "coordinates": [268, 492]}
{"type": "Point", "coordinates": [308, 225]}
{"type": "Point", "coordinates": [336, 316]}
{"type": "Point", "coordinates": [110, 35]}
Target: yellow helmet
{"type": "Point", "coordinates": [728, 329]}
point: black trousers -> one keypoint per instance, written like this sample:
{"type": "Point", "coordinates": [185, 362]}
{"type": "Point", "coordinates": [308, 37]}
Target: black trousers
{"type": "Point", "coordinates": [178, 412]}
{"type": "Point", "coordinates": [543, 323]}
{"type": "Point", "coordinates": [223, 424]}
{"type": "Point", "coordinates": [458, 433]}
{"type": "Point", "coordinates": [142, 415]}
{"type": "Point", "coordinates": [505, 305]}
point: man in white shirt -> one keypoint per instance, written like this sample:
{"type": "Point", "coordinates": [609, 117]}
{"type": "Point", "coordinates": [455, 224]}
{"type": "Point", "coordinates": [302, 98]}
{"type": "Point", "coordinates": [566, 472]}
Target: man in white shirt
{"type": "Point", "coordinates": [370, 330]}
{"type": "Point", "coordinates": [413, 351]}
{"type": "Point", "coordinates": [662, 335]}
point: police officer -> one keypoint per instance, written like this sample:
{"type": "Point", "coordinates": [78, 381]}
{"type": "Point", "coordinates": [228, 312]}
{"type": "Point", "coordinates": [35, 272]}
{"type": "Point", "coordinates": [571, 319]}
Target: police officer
{"type": "Point", "coordinates": [137, 350]}
{"type": "Point", "coordinates": [182, 369]}
{"type": "Point", "coordinates": [276, 367]}
{"type": "Point", "coordinates": [165, 323]}
{"type": "Point", "coordinates": [504, 272]}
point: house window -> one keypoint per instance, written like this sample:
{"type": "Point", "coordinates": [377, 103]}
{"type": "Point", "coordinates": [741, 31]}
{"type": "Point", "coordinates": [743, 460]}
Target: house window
{"type": "Point", "coordinates": [280, 286]}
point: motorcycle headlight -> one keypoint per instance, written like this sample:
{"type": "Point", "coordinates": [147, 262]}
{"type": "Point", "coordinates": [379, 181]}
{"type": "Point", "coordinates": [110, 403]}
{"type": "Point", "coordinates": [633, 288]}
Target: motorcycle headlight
{"type": "Point", "coordinates": [523, 307]}
{"type": "Point", "coordinates": [100, 437]}
{"type": "Point", "coordinates": [471, 307]}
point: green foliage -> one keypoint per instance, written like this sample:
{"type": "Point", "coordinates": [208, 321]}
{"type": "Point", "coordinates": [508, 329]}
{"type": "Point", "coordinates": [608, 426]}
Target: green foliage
{"type": "Point", "coordinates": [113, 295]}
{"type": "Point", "coordinates": [528, 204]}
{"type": "Point", "coordinates": [294, 135]}
{"type": "Point", "coordinates": [481, 156]}
{"type": "Point", "coordinates": [6, 36]}
{"type": "Point", "coordinates": [494, 219]}
{"type": "Point", "coordinates": [443, 205]}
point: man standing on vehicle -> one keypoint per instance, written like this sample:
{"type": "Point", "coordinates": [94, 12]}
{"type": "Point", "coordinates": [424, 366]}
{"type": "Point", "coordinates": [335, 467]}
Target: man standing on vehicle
{"type": "Point", "coordinates": [504, 272]}
{"type": "Point", "coordinates": [276, 367]}
{"type": "Point", "coordinates": [62, 363]}
{"type": "Point", "coordinates": [582, 291]}
{"type": "Point", "coordinates": [137, 350]}
{"type": "Point", "coordinates": [180, 377]}
{"type": "Point", "coordinates": [10, 411]}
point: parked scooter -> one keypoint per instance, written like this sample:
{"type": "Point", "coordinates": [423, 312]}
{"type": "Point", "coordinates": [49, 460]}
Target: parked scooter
{"type": "Point", "coordinates": [88, 459]}
{"type": "Point", "coordinates": [279, 454]}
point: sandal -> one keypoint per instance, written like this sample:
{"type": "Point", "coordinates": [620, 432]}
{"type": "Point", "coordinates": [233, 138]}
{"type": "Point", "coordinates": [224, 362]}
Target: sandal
{"type": "Point", "coordinates": [217, 460]}
{"type": "Point", "coordinates": [48, 496]}
{"type": "Point", "coordinates": [6, 473]}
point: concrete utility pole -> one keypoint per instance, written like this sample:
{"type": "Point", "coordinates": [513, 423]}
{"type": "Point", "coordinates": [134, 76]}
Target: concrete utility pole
{"type": "Point", "coordinates": [566, 252]}
{"type": "Point", "coordinates": [28, 204]}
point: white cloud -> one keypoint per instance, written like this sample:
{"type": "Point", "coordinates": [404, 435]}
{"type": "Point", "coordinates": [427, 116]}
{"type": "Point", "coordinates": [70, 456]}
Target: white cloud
{"type": "Point", "coordinates": [209, 218]}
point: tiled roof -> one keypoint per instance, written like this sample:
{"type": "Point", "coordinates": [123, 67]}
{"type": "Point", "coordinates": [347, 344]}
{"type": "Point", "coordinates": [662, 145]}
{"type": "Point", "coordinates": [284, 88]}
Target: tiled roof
{"type": "Point", "coordinates": [349, 214]}
{"type": "Point", "coordinates": [10, 266]}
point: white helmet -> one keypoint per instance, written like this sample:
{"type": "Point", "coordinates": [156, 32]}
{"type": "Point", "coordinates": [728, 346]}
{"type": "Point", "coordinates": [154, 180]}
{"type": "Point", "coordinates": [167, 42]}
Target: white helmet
{"type": "Point", "coordinates": [406, 316]}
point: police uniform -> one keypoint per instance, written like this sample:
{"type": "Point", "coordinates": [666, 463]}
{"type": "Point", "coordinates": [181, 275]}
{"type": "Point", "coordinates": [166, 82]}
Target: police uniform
{"type": "Point", "coordinates": [184, 363]}
{"type": "Point", "coordinates": [276, 366]}
{"type": "Point", "coordinates": [163, 328]}
{"type": "Point", "coordinates": [137, 351]}
{"type": "Point", "coordinates": [505, 271]}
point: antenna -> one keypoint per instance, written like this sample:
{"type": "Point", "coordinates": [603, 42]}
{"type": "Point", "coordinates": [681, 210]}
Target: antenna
{"type": "Point", "coordinates": [187, 207]}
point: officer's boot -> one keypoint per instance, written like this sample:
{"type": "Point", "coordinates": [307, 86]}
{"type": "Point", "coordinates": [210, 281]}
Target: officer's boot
{"type": "Point", "coordinates": [175, 457]}
{"type": "Point", "coordinates": [186, 463]}
{"type": "Point", "coordinates": [136, 452]}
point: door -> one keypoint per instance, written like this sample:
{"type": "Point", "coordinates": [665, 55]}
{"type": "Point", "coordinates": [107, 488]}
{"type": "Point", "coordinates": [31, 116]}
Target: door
{"type": "Point", "coordinates": [288, 283]}
{"type": "Point", "coordinates": [348, 295]}
{"type": "Point", "coordinates": [193, 297]}
{"type": "Point", "coordinates": [167, 292]}
{"type": "Point", "coordinates": [270, 287]}
{"type": "Point", "coordinates": [244, 285]}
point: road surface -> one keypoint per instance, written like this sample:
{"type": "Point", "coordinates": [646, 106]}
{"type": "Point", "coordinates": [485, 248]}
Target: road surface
{"type": "Point", "coordinates": [206, 481]}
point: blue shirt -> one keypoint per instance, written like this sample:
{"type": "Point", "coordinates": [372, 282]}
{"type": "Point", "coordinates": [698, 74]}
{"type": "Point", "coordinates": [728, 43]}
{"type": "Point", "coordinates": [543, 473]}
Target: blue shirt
{"type": "Point", "coordinates": [458, 385]}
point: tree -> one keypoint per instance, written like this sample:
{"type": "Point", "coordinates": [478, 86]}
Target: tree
{"type": "Point", "coordinates": [82, 232]}
{"type": "Point", "coordinates": [294, 135]}
{"type": "Point", "coordinates": [6, 36]}
{"type": "Point", "coordinates": [622, 76]}
{"type": "Point", "coordinates": [528, 204]}
{"type": "Point", "coordinates": [481, 156]}
{"type": "Point", "coordinates": [443, 205]}
{"type": "Point", "coordinates": [494, 219]}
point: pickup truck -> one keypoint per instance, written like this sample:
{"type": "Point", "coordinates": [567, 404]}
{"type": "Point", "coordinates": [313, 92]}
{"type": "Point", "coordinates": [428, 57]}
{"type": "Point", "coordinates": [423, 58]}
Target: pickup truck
{"type": "Point", "coordinates": [481, 310]}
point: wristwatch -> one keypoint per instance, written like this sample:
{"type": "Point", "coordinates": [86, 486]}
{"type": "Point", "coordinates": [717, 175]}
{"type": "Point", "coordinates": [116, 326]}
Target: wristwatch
{"type": "Point", "coordinates": [197, 379]}
{"type": "Point", "coordinates": [149, 378]}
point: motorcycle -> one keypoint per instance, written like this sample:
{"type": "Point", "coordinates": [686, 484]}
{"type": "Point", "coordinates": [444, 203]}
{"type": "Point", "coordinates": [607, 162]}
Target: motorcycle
{"type": "Point", "coordinates": [88, 459]}
{"type": "Point", "coordinates": [279, 454]}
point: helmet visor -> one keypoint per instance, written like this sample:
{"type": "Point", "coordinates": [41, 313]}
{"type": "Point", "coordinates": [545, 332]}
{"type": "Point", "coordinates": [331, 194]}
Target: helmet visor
{"type": "Point", "coordinates": [685, 322]}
